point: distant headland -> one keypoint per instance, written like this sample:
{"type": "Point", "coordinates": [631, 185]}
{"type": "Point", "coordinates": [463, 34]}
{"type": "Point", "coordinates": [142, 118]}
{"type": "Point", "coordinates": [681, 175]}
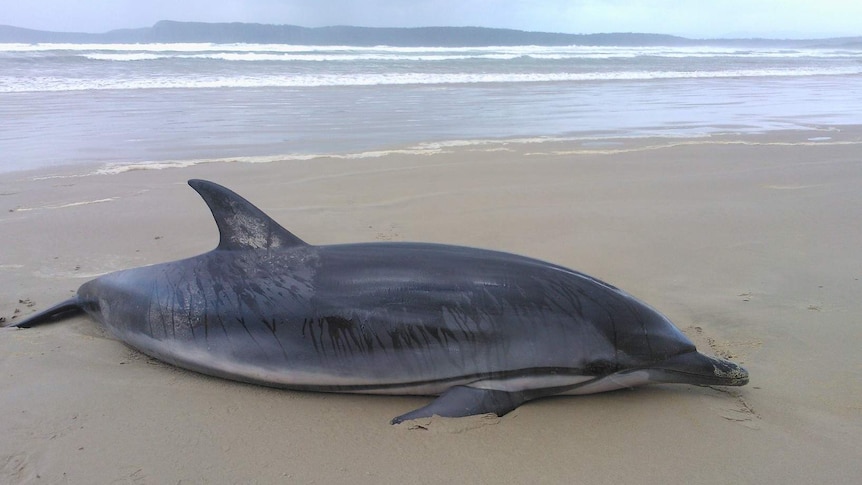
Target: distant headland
{"type": "Point", "coordinates": [167, 31]}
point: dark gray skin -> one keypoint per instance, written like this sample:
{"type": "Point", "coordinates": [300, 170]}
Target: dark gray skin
{"type": "Point", "coordinates": [484, 330]}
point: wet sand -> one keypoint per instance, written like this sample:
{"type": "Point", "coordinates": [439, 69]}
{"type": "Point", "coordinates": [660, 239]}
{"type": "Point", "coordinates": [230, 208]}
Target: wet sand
{"type": "Point", "coordinates": [750, 243]}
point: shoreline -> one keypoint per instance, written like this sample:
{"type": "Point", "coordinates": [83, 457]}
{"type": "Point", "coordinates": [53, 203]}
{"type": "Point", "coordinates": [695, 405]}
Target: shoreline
{"type": "Point", "coordinates": [748, 242]}
{"type": "Point", "coordinates": [585, 144]}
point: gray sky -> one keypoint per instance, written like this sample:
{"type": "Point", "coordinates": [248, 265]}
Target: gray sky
{"type": "Point", "coordinates": [690, 18]}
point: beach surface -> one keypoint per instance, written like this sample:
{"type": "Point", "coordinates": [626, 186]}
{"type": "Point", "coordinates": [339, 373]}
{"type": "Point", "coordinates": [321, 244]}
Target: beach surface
{"type": "Point", "coordinates": [749, 243]}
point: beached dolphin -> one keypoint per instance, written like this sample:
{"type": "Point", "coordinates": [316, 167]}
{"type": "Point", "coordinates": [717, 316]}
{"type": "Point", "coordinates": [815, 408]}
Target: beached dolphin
{"type": "Point", "coordinates": [484, 330]}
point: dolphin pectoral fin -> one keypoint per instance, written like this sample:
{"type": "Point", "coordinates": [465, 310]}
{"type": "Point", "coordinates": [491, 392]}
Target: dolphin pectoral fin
{"type": "Point", "coordinates": [462, 401]}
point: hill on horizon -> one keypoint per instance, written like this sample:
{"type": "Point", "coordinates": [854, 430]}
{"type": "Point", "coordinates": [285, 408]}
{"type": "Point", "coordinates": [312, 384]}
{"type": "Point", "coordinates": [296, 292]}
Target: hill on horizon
{"type": "Point", "coordinates": [168, 31]}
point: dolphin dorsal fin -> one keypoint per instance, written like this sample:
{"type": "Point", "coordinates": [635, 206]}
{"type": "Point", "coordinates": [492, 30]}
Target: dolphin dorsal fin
{"type": "Point", "coordinates": [241, 225]}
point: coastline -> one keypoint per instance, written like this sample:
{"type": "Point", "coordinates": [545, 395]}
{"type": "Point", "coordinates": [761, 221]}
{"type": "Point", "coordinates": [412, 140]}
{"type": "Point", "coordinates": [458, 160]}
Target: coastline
{"type": "Point", "coordinates": [581, 143]}
{"type": "Point", "coordinates": [749, 242]}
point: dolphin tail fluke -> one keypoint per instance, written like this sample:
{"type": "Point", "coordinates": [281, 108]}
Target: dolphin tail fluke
{"type": "Point", "coordinates": [462, 401]}
{"type": "Point", "coordinates": [60, 311]}
{"type": "Point", "coordinates": [699, 369]}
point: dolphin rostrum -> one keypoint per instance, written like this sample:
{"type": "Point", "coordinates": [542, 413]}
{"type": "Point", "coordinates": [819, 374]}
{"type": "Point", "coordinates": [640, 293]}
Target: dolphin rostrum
{"type": "Point", "coordinates": [484, 330]}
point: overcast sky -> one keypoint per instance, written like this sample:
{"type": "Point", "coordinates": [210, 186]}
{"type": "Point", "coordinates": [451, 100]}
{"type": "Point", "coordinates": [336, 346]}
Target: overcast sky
{"type": "Point", "coordinates": [690, 18]}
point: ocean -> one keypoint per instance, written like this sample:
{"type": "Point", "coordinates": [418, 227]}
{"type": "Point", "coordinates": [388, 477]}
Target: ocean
{"type": "Point", "coordinates": [114, 107]}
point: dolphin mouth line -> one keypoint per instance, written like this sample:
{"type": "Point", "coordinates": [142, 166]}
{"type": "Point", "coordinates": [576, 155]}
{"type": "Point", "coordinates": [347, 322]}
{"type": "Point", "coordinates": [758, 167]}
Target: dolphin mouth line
{"type": "Point", "coordinates": [734, 378]}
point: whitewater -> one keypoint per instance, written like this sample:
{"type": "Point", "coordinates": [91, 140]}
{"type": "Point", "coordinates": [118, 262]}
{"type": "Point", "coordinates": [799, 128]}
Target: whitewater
{"type": "Point", "coordinates": [71, 104]}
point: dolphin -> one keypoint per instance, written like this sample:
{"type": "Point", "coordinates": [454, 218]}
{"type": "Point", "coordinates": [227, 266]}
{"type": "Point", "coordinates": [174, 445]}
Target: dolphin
{"type": "Point", "coordinates": [483, 330]}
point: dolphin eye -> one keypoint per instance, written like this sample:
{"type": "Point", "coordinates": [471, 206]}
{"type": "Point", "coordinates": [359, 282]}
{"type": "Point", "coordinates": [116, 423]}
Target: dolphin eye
{"type": "Point", "coordinates": [92, 306]}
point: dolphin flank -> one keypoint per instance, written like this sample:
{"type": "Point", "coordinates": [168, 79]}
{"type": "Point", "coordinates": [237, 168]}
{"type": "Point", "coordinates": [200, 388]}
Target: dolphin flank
{"type": "Point", "coordinates": [484, 330]}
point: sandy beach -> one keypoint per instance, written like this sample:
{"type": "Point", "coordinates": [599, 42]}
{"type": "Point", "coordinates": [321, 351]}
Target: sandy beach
{"type": "Point", "coordinates": [749, 243]}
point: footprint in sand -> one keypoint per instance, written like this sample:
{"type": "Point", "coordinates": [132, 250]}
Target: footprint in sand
{"type": "Point", "coordinates": [388, 234]}
{"type": "Point", "coordinates": [16, 468]}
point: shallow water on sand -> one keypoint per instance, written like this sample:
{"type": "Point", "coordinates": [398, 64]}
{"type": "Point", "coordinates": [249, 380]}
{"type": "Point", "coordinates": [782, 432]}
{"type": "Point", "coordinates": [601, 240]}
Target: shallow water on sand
{"type": "Point", "coordinates": [85, 104]}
